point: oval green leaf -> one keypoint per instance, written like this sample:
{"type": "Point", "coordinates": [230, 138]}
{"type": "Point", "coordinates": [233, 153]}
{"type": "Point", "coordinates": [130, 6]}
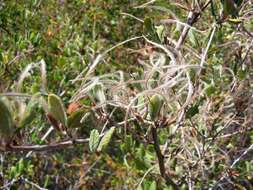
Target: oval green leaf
{"type": "Point", "coordinates": [74, 120]}
{"type": "Point", "coordinates": [94, 140]}
{"type": "Point", "coordinates": [106, 139]}
{"type": "Point", "coordinates": [6, 120]}
{"type": "Point", "coordinates": [155, 105]}
{"type": "Point", "coordinates": [56, 109]}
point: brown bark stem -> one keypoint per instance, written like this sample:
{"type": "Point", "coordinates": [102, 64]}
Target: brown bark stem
{"type": "Point", "coordinates": [160, 158]}
{"type": "Point", "coordinates": [191, 19]}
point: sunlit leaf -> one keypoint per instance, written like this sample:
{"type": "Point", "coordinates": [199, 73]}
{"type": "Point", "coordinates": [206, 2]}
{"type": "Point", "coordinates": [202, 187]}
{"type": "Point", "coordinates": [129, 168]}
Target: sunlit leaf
{"type": "Point", "coordinates": [155, 105]}
{"type": "Point", "coordinates": [56, 109]}
{"type": "Point", "coordinates": [94, 140]}
{"type": "Point", "coordinates": [106, 139]}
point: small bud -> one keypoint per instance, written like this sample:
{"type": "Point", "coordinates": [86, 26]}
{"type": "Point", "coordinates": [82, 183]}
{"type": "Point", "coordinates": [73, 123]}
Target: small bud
{"type": "Point", "coordinates": [155, 106]}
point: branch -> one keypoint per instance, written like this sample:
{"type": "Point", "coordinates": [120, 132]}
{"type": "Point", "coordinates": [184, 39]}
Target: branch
{"type": "Point", "coordinates": [47, 147]}
{"type": "Point", "coordinates": [160, 157]}
{"type": "Point", "coordinates": [32, 184]}
{"type": "Point", "coordinates": [5, 30]}
{"type": "Point", "coordinates": [191, 19]}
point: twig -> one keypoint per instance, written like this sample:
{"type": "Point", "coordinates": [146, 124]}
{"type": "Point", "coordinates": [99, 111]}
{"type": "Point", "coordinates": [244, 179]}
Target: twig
{"type": "Point", "coordinates": [20, 55]}
{"type": "Point", "coordinates": [146, 173]}
{"type": "Point", "coordinates": [241, 156]}
{"type": "Point", "coordinates": [232, 165]}
{"type": "Point", "coordinates": [230, 134]}
{"type": "Point", "coordinates": [98, 58]}
{"type": "Point", "coordinates": [191, 19]}
{"type": "Point", "coordinates": [53, 146]}
{"type": "Point", "coordinates": [160, 158]}
{"type": "Point", "coordinates": [32, 184]}
{"type": "Point", "coordinates": [132, 16]}
{"type": "Point", "coordinates": [9, 184]}
{"type": "Point", "coordinates": [145, 4]}
{"type": "Point", "coordinates": [47, 147]}
{"type": "Point", "coordinates": [42, 139]}
{"type": "Point", "coordinates": [15, 94]}
{"type": "Point", "coordinates": [5, 30]}
{"type": "Point", "coordinates": [203, 57]}
{"type": "Point", "coordinates": [169, 53]}
{"type": "Point", "coordinates": [246, 31]}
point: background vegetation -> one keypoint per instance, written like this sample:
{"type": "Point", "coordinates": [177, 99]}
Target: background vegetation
{"type": "Point", "coordinates": [126, 94]}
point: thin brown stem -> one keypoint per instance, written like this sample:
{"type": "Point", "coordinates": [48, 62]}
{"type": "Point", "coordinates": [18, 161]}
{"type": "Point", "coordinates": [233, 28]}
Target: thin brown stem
{"type": "Point", "coordinates": [160, 158]}
{"type": "Point", "coordinates": [47, 147]}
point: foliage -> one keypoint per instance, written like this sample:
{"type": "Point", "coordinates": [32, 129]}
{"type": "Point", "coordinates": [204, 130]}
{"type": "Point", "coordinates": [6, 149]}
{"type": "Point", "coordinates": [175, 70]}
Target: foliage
{"type": "Point", "coordinates": [126, 94]}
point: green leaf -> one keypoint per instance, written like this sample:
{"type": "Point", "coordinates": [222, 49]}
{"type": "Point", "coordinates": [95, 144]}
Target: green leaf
{"type": "Point", "coordinates": [6, 120]}
{"type": "Point", "coordinates": [193, 38]}
{"type": "Point", "coordinates": [235, 20]}
{"type": "Point", "coordinates": [242, 74]}
{"type": "Point", "coordinates": [150, 29]}
{"type": "Point", "coordinates": [56, 109]}
{"type": "Point", "coordinates": [214, 10]}
{"type": "Point", "coordinates": [21, 166]}
{"type": "Point", "coordinates": [46, 181]}
{"type": "Point", "coordinates": [152, 186]}
{"type": "Point", "coordinates": [74, 120]}
{"type": "Point", "coordinates": [209, 90]}
{"type": "Point", "coordinates": [13, 172]}
{"type": "Point", "coordinates": [94, 140]}
{"type": "Point", "coordinates": [160, 30]}
{"type": "Point", "coordinates": [106, 139]}
{"type": "Point", "coordinates": [29, 115]}
{"type": "Point", "coordinates": [193, 110]}
{"type": "Point", "coordinates": [148, 25]}
{"type": "Point", "coordinates": [155, 105]}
